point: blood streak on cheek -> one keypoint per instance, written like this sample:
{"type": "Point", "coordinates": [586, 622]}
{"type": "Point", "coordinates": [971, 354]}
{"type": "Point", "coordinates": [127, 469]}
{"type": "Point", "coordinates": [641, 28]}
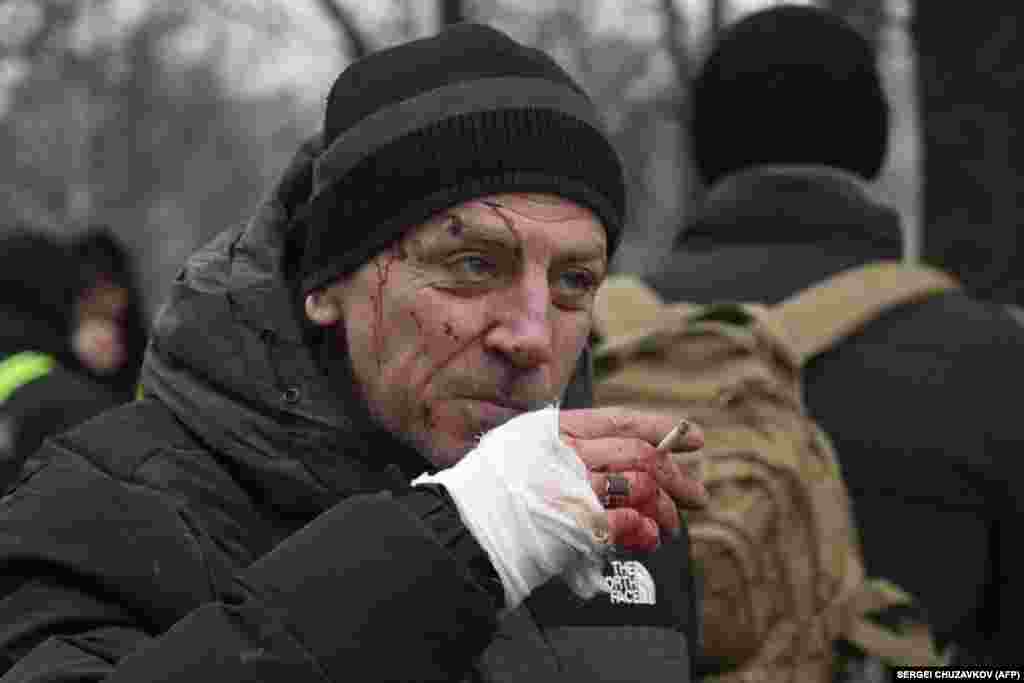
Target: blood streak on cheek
{"type": "Point", "coordinates": [383, 266]}
{"type": "Point", "coordinates": [378, 316]}
{"type": "Point", "coordinates": [428, 418]}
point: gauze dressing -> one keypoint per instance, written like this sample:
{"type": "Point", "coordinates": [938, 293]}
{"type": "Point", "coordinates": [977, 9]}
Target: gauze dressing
{"type": "Point", "coordinates": [526, 498]}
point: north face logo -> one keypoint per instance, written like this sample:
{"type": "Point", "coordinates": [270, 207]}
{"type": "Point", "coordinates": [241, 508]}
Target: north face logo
{"type": "Point", "coordinates": [630, 583]}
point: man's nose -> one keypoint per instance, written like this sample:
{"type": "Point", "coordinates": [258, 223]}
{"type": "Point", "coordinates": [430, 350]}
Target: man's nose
{"type": "Point", "coordinates": [522, 328]}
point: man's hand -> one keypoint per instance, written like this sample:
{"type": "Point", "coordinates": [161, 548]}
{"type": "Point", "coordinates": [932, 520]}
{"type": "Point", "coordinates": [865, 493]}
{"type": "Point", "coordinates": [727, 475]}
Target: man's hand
{"type": "Point", "coordinates": [527, 495]}
{"type": "Point", "coordinates": [621, 442]}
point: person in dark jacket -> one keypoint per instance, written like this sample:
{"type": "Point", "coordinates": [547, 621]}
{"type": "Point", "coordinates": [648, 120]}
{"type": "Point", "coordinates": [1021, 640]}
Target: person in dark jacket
{"type": "Point", "coordinates": [422, 275]}
{"type": "Point", "coordinates": [790, 125]}
{"type": "Point", "coordinates": [109, 338]}
{"type": "Point", "coordinates": [41, 392]}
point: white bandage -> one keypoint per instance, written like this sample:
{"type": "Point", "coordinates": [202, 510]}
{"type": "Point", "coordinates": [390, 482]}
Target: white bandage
{"type": "Point", "coordinates": [526, 498]}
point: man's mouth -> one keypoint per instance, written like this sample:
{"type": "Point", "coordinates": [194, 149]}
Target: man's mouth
{"type": "Point", "coordinates": [489, 412]}
{"type": "Point", "coordinates": [512, 404]}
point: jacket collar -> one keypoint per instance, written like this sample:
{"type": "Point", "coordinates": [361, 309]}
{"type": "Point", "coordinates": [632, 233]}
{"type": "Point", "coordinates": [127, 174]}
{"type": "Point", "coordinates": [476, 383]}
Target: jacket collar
{"type": "Point", "coordinates": [793, 204]}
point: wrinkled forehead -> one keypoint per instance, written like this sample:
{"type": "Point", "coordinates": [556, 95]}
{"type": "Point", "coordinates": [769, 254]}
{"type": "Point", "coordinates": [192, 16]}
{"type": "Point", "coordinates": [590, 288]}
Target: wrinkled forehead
{"type": "Point", "coordinates": [493, 212]}
{"type": "Point", "coordinates": [538, 207]}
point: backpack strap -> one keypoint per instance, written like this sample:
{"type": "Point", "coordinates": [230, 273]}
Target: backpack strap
{"type": "Point", "coordinates": [21, 368]}
{"type": "Point", "coordinates": [813, 319]}
{"type": "Point", "coordinates": [818, 317]}
{"type": "Point", "coordinates": [626, 306]}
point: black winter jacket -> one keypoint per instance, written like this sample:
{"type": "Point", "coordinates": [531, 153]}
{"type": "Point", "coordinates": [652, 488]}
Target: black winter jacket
{"type": "Point", "coordinates": [238, 524]}
{"type": "Point", "coordinates": [920, 403]}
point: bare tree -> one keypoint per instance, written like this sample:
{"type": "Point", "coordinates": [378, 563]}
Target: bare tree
{"type": "Point", "coordinates": [274, 20]}
{"type": "Point", "coordinates": [113, 129]}
{"type": "Point", "coordinates": [356, 41]}
{"type": "Point", "coordinates": [718, 18]}
{"type": "Point", "coordinates": [267, 19]}
{"type": "Point", "coordinates": [676, 28]}
{"type": "Point", "coordinates": [674, 39]}
{"type": "Point", "coordinates": [46, 52]}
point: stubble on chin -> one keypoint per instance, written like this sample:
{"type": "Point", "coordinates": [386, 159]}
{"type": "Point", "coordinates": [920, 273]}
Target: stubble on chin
{"type": "Point", "coordinates": [420, 430]}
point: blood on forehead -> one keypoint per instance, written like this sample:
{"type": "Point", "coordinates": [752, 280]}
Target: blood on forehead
{"type": "Point", "coordinates": [538, 207]}
{"type": "Point", "coordinates": [478, 217]}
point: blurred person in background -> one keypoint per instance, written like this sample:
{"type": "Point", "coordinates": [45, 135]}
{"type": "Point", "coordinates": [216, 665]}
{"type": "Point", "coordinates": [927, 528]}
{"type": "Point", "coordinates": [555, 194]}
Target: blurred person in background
{"type": "Point", "coordinates": [110, 327]}
{"type": "Point", "coordinates": [41, 391]}
{"type": "Point", "coordinates": [347, 462]}
{"type": "Point", "coordinates": [790, 126]}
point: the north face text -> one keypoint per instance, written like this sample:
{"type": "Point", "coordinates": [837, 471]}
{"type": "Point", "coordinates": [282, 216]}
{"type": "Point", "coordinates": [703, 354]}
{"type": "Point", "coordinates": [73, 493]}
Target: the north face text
{"type": "Point", "coordinates": [629, 582]}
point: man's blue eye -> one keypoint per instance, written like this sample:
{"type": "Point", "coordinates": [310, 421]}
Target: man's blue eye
{"type": "Point", "coordinates": [578, 280]}
{"type": "Point", "coordinates": [472, 266]}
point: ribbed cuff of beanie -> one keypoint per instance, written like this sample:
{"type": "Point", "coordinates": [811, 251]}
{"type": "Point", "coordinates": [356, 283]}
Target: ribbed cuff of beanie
{"type": "Point", "coordinates": [455, 160]}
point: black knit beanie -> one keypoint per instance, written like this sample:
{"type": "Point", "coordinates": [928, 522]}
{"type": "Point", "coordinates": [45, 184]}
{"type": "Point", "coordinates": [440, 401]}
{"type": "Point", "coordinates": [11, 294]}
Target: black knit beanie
{"type": "Point", "coordinates": [789, 85]}
{"type": "Point", "coordinates": [423, 126]}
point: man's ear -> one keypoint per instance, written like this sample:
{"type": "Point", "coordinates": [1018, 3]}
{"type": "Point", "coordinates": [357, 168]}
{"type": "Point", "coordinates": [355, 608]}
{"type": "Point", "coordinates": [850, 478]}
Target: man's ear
{"type": "Point", "coordinates": [322, 308]}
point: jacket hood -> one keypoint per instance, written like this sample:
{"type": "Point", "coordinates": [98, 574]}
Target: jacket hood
{"type": "Point", "coordinates": [769, 231]}
{"type": "Point", "coordinates": [37, 284]}
{"type": "Point", "coordinates": [793, 204]}
{"type": "Point", "coordinates": [20, 331]}
{"type": "Point", "coordinates": [228, 357]}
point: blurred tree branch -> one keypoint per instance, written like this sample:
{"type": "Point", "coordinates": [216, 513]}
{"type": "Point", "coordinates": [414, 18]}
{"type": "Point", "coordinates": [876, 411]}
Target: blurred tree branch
{"type": "Point", "coordinates": [674, 39]}
{"type": "Point", "coordinates": [673, 36]}
{"type": "Point", "coordinates": [135, 126]}
{"type": "Point", "coordinates": [358, 44]}
{"type": "Point", "coordinates": [55, 18]}
{"type": "Point", "coordinates": [273, 20]}
{"type": "Point", "coordinates": [718, 19]}
{"type": "Point", "coordinates": [268, 20]}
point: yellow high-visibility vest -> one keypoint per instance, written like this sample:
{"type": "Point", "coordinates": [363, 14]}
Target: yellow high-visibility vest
{"type": "Point", "coordinates": [21, 368]}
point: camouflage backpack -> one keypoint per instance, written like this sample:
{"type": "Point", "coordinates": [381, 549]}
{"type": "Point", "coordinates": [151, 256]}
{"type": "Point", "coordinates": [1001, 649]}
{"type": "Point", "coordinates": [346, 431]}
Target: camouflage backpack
{"type": "Point", "coordinates": [783, 589]}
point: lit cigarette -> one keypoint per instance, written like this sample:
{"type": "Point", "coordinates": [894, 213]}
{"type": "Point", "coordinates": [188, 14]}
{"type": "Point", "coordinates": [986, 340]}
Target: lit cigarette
{"type": "Point", "coordinates": [674, 440]}
{"type": "Point", "coordinates": [674, 444]}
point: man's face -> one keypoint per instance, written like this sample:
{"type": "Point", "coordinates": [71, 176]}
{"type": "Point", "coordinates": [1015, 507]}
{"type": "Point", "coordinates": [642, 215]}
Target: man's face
{"type": "Point", "coordinates": [98, 338]}
{"type": "Point", "coordinates": [473, 317]}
